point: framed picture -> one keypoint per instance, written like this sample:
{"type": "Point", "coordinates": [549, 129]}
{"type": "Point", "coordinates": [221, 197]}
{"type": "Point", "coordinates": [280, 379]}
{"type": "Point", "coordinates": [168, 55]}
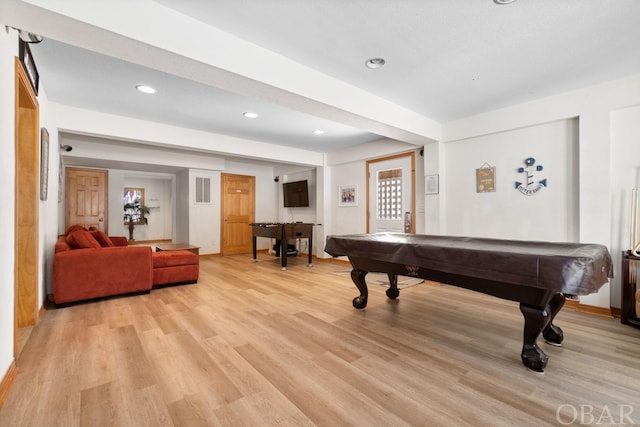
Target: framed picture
{"type": "Point", "coordinates": [44, 163]}
{"type": "Point", "coordinates": [61, 182]}
{"type": "Point", "coordinates": [431, 184]}
{"type": "Point", "coordinates": [24, 53]}
{"type": "Point", "coordinates": [348, 195]}
{"type": "Point", "coordinates": [134, 206]}
{"type": "Point", "coordinates": [486, 179]}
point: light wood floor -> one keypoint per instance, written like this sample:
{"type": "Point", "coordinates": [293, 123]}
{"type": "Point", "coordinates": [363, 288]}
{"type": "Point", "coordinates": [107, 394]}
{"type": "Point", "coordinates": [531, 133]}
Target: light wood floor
{"type": "Point", "coordinates": [251, 345]}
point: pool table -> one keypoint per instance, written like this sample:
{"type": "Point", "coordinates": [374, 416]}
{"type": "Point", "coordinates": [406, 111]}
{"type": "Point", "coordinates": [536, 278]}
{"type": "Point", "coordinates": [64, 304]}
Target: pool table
{"type": "Point", "coordinates": [538, 275]}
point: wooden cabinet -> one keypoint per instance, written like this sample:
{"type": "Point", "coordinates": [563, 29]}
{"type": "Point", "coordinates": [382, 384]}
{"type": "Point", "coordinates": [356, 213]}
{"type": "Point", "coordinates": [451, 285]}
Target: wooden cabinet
{"type": "Point", "coordinates": [629, 286]}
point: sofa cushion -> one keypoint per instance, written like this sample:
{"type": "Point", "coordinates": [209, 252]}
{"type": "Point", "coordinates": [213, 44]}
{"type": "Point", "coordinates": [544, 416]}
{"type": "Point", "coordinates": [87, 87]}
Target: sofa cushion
{"type": "Point", "coordinates": [74, 228]}
{"type": "Point", "coordinates": [102, 238]}
{"type": "Point", "coordinates": [80, 239]}
{"type": "Point", "coordinates": [174, 258]}
{"type": "Point", "coordinates": [62, 245]}
{"type": "Point", "coordinates": [119, 240]}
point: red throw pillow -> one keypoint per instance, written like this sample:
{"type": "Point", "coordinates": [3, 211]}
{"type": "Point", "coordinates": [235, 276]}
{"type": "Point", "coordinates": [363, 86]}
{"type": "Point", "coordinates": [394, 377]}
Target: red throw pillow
{"type": "Point", "coordinates": [74, 228]}
{"type": "Point", "coordinates": [80, 239]}
{"type": "Point", "coordinates": [102, 238]}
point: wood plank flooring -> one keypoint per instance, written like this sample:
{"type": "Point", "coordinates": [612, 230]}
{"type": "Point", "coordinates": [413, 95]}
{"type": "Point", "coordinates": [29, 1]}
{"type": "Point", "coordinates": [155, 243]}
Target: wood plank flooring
{"type": "Point", "coordinates": [251, 345]}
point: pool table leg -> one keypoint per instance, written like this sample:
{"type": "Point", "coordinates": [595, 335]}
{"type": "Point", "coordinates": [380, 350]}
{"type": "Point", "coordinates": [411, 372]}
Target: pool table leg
{"type": "Point", "coordinates": [393, 291]}
{"type": "Point", "coordinates": [535, 320]}
{"type": "Point", "coordinates": [358, 276]}
{"type": "Point", "coordinates": [552, 334]}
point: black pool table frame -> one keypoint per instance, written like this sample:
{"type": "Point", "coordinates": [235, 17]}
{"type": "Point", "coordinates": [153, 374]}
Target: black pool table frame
{"type": "Point", "coordinates": [538, 275]}
{"type": "Point", "coordinates": [538, 306]}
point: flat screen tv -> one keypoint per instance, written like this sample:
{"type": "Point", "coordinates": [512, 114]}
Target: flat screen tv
{"type": "Point", "coordinates": [296, 194]}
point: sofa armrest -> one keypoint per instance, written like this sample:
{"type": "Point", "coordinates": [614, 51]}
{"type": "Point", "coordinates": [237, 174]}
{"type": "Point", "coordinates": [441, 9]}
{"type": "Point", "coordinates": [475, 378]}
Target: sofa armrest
{"type": "Point", "coordinates": [82, 274]}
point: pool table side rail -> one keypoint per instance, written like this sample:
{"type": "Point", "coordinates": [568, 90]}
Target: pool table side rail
{"type": "Point", "coordinates": [570, 268]}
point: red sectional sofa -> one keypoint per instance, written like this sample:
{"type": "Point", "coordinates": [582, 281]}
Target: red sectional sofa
{"type": "Point", "coordinates": [175, 267]}
{"type": "Point", "coordinates": [89, 264]}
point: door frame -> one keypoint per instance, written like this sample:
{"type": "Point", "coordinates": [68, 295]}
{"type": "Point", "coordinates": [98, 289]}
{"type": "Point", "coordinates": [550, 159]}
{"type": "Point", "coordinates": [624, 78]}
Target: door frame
{"type": "Point", "coordinates": [410, 154]}
{"type": "Point", "coordinates": [27, 204]}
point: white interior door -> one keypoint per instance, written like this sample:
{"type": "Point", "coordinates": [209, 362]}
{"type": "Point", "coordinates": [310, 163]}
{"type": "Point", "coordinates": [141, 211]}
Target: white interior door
{"type": "Point", "coordinates": [391, 195]}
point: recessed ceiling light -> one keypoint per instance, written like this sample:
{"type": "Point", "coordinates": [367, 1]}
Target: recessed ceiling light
{"type": "Point", "coordinates": [250, 115]}
{"type": "Point", "coordinates": [318, 132]}
{"type": "Point", "coordinates": [145, 89]}
{"type": "Point", "coordinates": [375, 62]}
{"type": "Point", "coordinates": [503, 1]}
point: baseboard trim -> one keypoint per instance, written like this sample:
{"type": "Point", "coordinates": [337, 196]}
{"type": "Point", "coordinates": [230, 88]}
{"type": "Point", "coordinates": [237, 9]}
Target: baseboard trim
{"type": "Point", "coordinates": [590, 309]}
{"type": "Point", "coordinates": [571, 303]}
{"type": "Point", "coordinates": [616, 312]}
{"type": "Point", "coordinates": [7, 380]}
{"type": "Point", "coordinates": [336, 260]}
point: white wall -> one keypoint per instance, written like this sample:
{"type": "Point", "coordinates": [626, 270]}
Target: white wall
{"type": "Point", "coordinates": [625, 175]}
{"type": "Point", "coordinates": [348, 219]}
{"type": "Point", "coordinates": [115, 225]}
{"type": "Point", "coordinates": [8, 50]}
{"type": "Point", "coordinates": [593, 107]}
{"type": "Point", "coordinates": [48, 215]}
{"type": "Point", "coordinates": [434, 164]}
{"type": "Point", "coordinates": [204, 218]}
{"type": "Point", "coordinates": [551, 214]}
{"type": "Point", "coordinates": [182, 222]}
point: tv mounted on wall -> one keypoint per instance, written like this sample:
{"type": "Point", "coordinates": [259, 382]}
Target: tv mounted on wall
{"type": "Point", "coordinates": [296, 194]}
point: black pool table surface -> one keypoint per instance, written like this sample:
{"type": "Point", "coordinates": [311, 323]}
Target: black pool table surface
{"type": "Point", "coordinates": [538, 275]}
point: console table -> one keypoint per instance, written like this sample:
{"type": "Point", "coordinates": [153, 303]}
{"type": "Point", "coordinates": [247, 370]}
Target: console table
{"type": "Point", "coordinates": [628, 316]}
{"type": "Point", "coordinates": [282, 232]}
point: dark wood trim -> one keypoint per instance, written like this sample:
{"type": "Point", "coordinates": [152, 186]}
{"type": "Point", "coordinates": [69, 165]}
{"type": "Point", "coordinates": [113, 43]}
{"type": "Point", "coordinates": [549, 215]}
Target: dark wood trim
{"type": "Point", "coordinates": [27, 183]}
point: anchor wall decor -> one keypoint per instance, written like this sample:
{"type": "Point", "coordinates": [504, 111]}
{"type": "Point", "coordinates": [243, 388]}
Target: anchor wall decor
{"type": "Point", "coordinates": [531, 187]}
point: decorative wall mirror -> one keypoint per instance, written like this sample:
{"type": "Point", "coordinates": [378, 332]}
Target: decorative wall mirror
{"type": "Point", "coordinates": [134, 208]}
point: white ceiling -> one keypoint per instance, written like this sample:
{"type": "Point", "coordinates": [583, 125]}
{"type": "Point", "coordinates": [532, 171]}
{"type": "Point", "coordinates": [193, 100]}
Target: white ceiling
{"type": "Point", "coordinates": [446, 59]}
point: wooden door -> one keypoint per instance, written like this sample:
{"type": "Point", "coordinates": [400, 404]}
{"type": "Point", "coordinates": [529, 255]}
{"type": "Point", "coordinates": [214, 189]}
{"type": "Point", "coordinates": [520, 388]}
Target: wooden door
{"type": "Point", "coordinates": [27, 152]}
{"type": "Point", "coordinates": [86, 198]}
{"type": "Point", "coordinates": [238, 211]}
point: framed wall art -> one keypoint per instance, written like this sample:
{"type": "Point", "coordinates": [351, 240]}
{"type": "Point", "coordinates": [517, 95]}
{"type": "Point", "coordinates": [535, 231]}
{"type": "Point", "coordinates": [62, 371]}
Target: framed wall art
{"type": "Point", "coordinates": [348, 195]}
{"type": "Point", "coordinates": [431, 184]}
{"type": "Point", "coordinates": [44, 163]}
{"type": "Point", "coordinates": [486, 178]}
